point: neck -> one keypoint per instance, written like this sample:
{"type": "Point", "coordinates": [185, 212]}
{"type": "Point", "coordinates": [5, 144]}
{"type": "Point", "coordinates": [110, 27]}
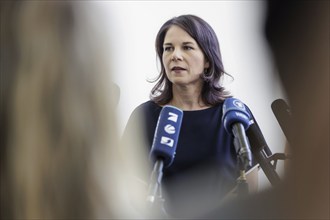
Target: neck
{"type": "Point", "coordinates": [187, 99]}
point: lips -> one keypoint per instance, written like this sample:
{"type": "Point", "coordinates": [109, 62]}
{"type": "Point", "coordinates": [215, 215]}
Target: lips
{"type": "Point", "coordinates": [177, 68]}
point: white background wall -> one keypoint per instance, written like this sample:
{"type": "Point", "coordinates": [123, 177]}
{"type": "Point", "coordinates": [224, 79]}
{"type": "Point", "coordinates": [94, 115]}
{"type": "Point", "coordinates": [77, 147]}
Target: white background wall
{"type": "Point", "coordinates": [133, 26]}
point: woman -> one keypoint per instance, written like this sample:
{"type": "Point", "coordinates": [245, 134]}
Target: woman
{"type": "Point", "coordinates": [204, 169]}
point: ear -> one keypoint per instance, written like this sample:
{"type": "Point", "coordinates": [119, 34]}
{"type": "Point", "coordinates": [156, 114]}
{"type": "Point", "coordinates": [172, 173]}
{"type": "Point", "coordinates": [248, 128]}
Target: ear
{"type": "Point", "coordinates": [206, 65]}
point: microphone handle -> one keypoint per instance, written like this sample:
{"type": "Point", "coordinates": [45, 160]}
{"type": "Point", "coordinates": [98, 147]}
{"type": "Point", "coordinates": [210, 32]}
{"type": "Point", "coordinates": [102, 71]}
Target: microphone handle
{"type": "Point", "coordinates": [156, 178]}
{"type": "Point", "coordinates": [259, 149]}
{"type": "Point", "coordinates": [242, 146]}
{"type": "Point", "coordinates": [267, 167]}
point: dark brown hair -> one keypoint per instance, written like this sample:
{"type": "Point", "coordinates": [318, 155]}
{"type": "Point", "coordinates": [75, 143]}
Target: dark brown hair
{"type": "Point", "coordinates": [213, 92]}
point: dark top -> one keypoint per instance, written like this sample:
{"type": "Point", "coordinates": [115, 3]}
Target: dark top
{"type": "Point", "coordinates": [204, 168]}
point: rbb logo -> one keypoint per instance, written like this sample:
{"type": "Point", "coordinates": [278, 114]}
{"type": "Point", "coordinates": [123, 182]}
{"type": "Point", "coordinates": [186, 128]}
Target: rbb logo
{"type": "Point", "coordinates": [167, 141]}
{"type": "Point", "coordinates": [172, 117]}
{"type": "Point", "coordinates": [169, 129]}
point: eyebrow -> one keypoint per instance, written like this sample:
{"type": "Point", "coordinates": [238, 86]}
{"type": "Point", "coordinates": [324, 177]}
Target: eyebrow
{"type": "Point", "coordinates": [184, 43]}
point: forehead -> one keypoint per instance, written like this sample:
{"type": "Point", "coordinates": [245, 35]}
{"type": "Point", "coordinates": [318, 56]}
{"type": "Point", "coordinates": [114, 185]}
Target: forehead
{"type": "Point", "coordinates": [176, 34]}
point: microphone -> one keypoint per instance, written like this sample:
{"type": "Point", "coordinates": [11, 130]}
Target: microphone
{"type": "Point", "coordinates": [236, 120]}
{"type": "Point", "coordinates": [260, 149]}
{"type": "Point", "coordinates": [164, 145]}
{"type": "Point", "coordinates": [283, 115]}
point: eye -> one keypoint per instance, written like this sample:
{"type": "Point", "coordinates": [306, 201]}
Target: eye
{"type": "Point", "coordinates": [168, 48]}
{"type": "Point", "coordinates": [188, 48]}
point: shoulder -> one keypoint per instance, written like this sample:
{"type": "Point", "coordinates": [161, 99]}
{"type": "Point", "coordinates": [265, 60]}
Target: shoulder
{"type": "Point", "coordinates": [140, 116]}
{"type": "Point", "coordinates": [146, 108]}
{"type": "Point", "coordinates": [146, 111]}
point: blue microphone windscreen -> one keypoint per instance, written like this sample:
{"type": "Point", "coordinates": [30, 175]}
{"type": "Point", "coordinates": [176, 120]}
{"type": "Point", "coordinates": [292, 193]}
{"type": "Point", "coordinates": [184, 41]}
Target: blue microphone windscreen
{"type": "Point", "coordinates": [166, 134]}
{"type": "Point", "coordinates": [234, 111]}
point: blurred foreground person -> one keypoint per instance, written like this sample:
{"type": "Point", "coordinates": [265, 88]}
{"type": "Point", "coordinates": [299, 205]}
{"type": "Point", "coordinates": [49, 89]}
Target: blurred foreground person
{"type": "Point", "coordinates": [59, 141]}
{"type": "Point", "coordinates": [298, 35]}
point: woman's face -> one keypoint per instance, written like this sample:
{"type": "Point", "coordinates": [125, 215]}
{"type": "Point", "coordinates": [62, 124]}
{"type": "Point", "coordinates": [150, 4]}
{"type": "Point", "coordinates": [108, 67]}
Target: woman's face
{"type": "Point", "coordinates": [183, 59]}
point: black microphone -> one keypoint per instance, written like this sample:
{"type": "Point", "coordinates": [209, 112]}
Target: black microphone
{"type": "Point", "coordinates": [283, 115]}
{"type": "Point", "coordinates": [164, 146]}
{"type": "Point", "coordinates": [259, 149]}
{"type": "Point", "coordinates": [236, 120]}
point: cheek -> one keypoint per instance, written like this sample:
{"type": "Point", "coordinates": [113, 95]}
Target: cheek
{"type": "Point", "coordinates": [165, 61]}
{"type": "Point", "coordinates": [199, 65]}
{"type": "Point", "coordinates": [202, 63]}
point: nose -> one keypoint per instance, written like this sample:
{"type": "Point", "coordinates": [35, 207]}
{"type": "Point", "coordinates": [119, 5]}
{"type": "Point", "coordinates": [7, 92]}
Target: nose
{"type": "Point", "coordinates": [176, 55]}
